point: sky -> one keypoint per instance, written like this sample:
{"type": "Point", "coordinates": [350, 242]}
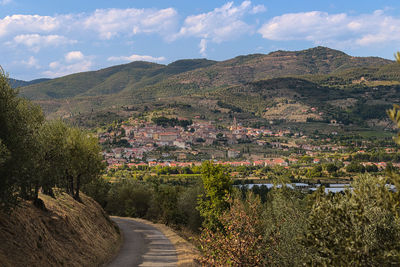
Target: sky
{"type": "Point", "coordinates": [44, 38]}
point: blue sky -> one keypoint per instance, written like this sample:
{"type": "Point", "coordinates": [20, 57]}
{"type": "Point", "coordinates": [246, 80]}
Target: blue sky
{"type": "Point", "coordinates": [55, 38]}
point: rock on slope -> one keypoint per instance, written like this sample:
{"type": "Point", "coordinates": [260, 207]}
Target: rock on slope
{"type": "Point", "coordinates": [70, 233]}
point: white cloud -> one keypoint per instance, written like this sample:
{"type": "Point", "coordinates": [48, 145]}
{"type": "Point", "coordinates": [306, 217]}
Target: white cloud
{"type": "Point", "coordinates": [221, 24]}
{"type": "Point", "coordinates": [137, 58]}
{"type": "Point", "coordinates": [258, 9]}
{"type": "Point", "coordinates": [340, 29]}
{"type": "Point", "coordinates": [74, 56]}
{"type": "Point", "coordinates": [16, 24]}
{"type": "Point", "coordinates": [112, 22]}
{"type": "Point", "coordinates": [73, 62]}
{"type": "Point", "coordinates": [203, 47]}
{"type": "Point", "coordinates": [36, 41]}
{"type": "Point", "coordinates": [58, 69]}
{"type": "Point", "coordinates": [31, 62]}
{"type": "Point", "coordinates": [54, 65]}
{"type": "Point", "coordinates": [107, 23]}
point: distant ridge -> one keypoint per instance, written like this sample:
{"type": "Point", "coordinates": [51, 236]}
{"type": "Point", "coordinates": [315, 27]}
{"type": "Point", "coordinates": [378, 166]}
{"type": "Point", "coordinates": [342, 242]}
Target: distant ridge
{"type": "Point", "coordinates": [20, 83]}
{"type": "Point", "coordinates": [263, 86]}
{"type": "Point", "coordinates": [201, 73]}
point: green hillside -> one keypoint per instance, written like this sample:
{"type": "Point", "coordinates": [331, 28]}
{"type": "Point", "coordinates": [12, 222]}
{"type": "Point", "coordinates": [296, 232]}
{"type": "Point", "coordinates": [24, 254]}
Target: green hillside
{"type": "Point", "coordinates": [19, 83]}
{"type": "Point", "coordinates": [317, 84]}
{"type": "Point", "coordinates": [110, 80]}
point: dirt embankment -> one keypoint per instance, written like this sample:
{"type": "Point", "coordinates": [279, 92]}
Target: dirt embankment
{"type": "Point", "coordinates": [70, 233]}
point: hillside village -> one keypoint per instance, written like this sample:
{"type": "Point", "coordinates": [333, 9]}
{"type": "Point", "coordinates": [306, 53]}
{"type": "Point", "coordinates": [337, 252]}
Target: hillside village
{"type": "Point", "coordinates": [136, 143]}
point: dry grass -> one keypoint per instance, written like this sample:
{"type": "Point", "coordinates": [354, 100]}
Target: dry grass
{"type": "Point", "coordinates": [295, 112]}
{"type": "Point", "coordinates": [70, 233]}
{"type": "Point", "coordinates": [187, 253]}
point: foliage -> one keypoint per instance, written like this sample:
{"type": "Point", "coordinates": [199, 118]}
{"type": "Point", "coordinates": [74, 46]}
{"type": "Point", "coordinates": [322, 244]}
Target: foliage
{"type": "Point", "coordinates": [36, 154]}
{"type": "Point", "coordinates": [98, 189]}
{"type": "Point", "coordinates": [394, 115]}
{"type": "Point", "coordinates": [331, 168]}
{"type": "Point", "coordinates": [315, 171]}
{"type": "Point", "coordinates": [165, 122]}
{"type": "Point", "coordinates": [228, 106]}
{"type": "Point", "coordinates": [217, 187]}
{"type": "Point", "coordinates": [129, 198]}
{"type": "Point", "coordinates": [239, 239]}
{"type": "Point", "coordinates": [19, 124]}
{"type": "Point", "coordinates": [355, 167]}
{"type": "Point", "coordinates": [187, 202]}
{"type": "Point", "coordinates": [359, 228]}
{"type": "Point", "coordinates": [84, 159]}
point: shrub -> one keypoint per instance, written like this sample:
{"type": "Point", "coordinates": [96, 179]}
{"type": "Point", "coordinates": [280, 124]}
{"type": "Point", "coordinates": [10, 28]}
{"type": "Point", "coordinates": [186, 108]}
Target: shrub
{"type": "Point", "coordinates": [239, 240]}
{"type": "Point", "coordinates": [358, 228]}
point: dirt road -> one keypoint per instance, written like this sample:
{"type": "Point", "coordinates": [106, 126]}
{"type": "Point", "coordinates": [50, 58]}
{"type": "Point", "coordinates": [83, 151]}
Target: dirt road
{"type": "Point", "coordinates": [143, 245]}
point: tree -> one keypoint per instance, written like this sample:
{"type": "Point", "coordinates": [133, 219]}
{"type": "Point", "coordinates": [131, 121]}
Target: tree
{"type": "Point", "coordinates": [316, 171]}
{"type": "Point", "coordinates": [360, 227]}
{"type": "Point", "coordinates": [217, 187]}
{"type": "Point", "coordinates": [355, 167]}
{"type": "Point", "coordinates": [84, 158]}
{"type": "Point", "coordinates": [4, 153]}
{"type": "Point", "coordinates": [371, 168]}
{"type": "Point", "coordinates": [53, 136]}
{"type": "Point", "coordinates": [331, 168]}
{"type": "Point", "coordinates": [19, 124]}
{"type": "Point", "coordinates": [394, 113]}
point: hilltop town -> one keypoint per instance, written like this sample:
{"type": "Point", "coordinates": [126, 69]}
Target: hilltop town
{"type": "Point", "coordinates": [163, 142]}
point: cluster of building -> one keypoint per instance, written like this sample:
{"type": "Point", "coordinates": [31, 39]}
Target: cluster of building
{"type": "Point", "coordinates": [132, 143]}
{"type": "Point", "coordinates": [141, 137]}
{"type": "Point", "coordinates": [266, 162]}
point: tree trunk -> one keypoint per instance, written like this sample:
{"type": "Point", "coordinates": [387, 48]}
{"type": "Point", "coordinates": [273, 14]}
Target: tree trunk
{"type": "Point", "coordinates": [37, 202]}
{"type": "Point", "coordinates": [36, 194]}
{"type": "Point", "coordinates": [71, 185]}
{"type": "Point", "coordinates": [78, 184]}
{"type": "Point", "coordinates": [48, 190]}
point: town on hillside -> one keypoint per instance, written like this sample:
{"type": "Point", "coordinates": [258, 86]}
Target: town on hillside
{"type": "Point", "coordinates": [179, 142]}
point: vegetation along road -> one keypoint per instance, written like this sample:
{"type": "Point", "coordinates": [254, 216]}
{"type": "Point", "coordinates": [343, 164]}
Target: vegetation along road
{"type": "Point", "coordinates": [143, 245]}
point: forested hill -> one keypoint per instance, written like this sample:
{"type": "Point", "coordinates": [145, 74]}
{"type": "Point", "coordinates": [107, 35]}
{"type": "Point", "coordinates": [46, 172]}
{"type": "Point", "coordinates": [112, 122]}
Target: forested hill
{"type": "Point", "coordinates": [111, 80]}
{"type": "Point", "coordinates": [200, 73]}
{"type": "Point", "coordinates": [201, 83]}
{"type": "Point", "coordinates": [19, 83]}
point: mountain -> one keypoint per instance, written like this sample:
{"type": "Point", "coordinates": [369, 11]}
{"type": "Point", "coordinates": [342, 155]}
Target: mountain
{"type": "Point", "coordinates": [111, 80]}
{"type": "Point", "coordinates": [262, 87]}
{"type": "Point", "coordinates": [20, 83]}
{"type": "Point", "coordinates": [192, 76]}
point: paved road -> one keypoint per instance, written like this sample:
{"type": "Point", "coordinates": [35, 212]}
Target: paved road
{"type": "Point", "coordinates": [143, 245]}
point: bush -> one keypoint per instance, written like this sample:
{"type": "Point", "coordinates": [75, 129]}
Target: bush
{"type": "Point", "coordinates": [187, 203]}
{"type": "Point", "coordinates": [358, 228]}
{"type": "Point", "coordinates": [355, 167]}
{"type": "Point", "coordinates": [129, 198]}
{"type": "Point", "coordinates": [239, 240]}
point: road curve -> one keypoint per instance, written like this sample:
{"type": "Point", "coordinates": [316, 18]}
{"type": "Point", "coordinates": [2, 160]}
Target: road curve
{"type": "Point", "coordinates": [143, 245]}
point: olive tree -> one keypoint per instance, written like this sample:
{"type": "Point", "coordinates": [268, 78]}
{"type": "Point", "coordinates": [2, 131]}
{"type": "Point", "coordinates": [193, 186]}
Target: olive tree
{"type": "Point", "coordinates": [84, 160]}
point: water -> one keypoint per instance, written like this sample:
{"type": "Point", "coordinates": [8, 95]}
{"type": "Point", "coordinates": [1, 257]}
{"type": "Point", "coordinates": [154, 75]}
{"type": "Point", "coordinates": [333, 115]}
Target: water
{"type": "Point", "coordinates": [334, 188]}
